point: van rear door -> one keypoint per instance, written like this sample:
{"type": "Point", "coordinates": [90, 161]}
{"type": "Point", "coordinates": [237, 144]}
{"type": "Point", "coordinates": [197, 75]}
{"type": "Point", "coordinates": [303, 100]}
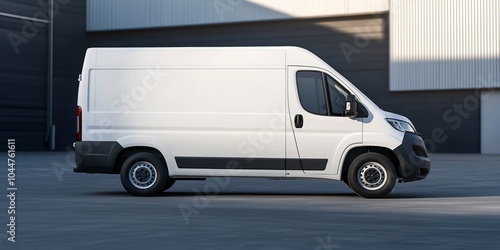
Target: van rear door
{"type": "Point", "coordinates": [321, 131]}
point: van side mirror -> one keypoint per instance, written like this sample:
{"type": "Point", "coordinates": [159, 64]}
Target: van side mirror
{"type": "Point", "coordinates": [351, 106]}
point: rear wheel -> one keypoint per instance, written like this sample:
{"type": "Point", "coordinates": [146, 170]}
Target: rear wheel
{"type": "Point", "coordinates": [372, 175]}
{"type": "Point", "coordinates": [143, 174]}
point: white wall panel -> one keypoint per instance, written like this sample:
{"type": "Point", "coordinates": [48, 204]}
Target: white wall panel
{"type": "Point", "coordinates": [134, 14]}
{"type": "Point", "coordinates": [490, 121]}
{"type": "Point", "coordinates": [444, 44]}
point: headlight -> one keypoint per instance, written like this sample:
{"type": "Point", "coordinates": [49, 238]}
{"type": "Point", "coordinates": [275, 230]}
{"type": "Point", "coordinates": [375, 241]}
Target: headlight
{"type": "Point", "coordinates": [401, 125]}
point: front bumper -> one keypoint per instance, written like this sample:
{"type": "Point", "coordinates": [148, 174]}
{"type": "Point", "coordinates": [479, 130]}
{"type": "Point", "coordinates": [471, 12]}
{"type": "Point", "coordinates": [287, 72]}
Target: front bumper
{"type": "Point", "coordinates": [414, 162]}
{"type": "Point", "coordinates": [96, 156]}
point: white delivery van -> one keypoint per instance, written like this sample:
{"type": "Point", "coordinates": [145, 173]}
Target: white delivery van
{"type": "Point", "coordinates": [160, 115]}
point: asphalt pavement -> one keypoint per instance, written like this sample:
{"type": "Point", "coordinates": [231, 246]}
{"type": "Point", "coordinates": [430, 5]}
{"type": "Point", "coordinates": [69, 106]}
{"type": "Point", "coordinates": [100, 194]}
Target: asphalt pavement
{"type": "Point", "coordinates": [456, 207]}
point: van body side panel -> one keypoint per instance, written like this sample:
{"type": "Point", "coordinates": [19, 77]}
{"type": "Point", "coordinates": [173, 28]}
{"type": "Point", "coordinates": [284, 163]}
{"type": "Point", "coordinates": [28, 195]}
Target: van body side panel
{"type": "Point", "coordinates": [195, 112]}
{"type": "Point", "coordinates": [212, 57]}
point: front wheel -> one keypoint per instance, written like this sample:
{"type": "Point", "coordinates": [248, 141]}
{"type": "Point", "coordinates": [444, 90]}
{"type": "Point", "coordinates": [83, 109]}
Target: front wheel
{"type": "Point", "coordinates": [143, 174]}
{"type": "Point", "coordinates": [372, 175]}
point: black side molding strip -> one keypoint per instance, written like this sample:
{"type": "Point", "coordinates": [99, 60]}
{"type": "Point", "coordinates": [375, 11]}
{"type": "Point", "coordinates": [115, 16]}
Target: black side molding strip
{"type": "Point", "coordinates": [250, 163]}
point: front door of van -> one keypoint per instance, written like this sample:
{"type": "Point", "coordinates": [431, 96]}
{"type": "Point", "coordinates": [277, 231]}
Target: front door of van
{"type": "Point", "coordinates": [320, 129]}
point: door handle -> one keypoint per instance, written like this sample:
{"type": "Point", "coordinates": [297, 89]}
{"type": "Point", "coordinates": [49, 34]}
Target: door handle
{"type": "Point", "coordinates": [299, 121]}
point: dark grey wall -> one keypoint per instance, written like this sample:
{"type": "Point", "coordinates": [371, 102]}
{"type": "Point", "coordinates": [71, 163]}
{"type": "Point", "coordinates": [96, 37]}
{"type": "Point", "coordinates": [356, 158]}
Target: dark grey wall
{"type": "Point", "coordinates": [70, 44]}
{"type": "Point", "coordinates": [364, 39]}
{"type": "Point", "coordinates": [23, 76]}
{"type": "Point", "coordinates": [23, 71]}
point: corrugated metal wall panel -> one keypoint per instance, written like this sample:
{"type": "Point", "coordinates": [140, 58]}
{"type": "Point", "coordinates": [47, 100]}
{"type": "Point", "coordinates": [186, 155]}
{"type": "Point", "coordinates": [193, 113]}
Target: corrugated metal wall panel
{"type": "Point", "coordinates": [132, 14]}
{"type": "Point", "coordinates": [446, 44]}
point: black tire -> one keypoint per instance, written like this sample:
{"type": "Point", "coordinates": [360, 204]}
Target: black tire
{"type": "Point", "coordinates": [168, 184]}
{"type": "Point", "coordinates": [143, 174]}
{"type": "Point", "coordinates": [372, 175]}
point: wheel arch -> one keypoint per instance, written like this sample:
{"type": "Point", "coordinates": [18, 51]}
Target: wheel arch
{"type": "Point", "coordinates": [127, 152]}
{"type": "Point", "coordinates": [357, 151]}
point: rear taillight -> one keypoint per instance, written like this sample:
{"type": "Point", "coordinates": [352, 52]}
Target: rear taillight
{"type": "Point", "coordinates": [79, 123]}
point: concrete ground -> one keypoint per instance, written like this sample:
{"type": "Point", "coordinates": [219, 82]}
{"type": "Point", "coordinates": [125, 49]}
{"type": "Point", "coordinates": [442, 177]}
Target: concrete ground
{"type": "Point", "coordinates": [456, 207]}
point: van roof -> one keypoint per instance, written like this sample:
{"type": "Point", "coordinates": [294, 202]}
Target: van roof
{"type": "Point", "coordinates": [255, 56]}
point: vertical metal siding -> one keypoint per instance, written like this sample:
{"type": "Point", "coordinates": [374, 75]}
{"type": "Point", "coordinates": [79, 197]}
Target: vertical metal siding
{"type": "Point", "coordinates": [445, 44]}
{"type": "Point", "coordinates": [132, 14]}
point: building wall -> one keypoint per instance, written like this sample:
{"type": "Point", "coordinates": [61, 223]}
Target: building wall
{"type": "Point", "coordinates": [132, 14]}
{"type": "Point", "coordinates": [23, 75]}
{"type": "Point", "coordinates": [357, 46]}
{"type": "Point", "coordinates": [444, 45]}
{"type": "Point", "coordinates": [70, 44]}
{"type": "Point", "coordinates": [490, 121]}
{"type": "Point", "coordinates": [23, 70]}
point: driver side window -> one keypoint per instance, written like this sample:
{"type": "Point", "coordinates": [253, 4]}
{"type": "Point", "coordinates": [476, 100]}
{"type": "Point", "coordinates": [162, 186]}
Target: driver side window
{"type": "Point", "coordinates": [312, 92]}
